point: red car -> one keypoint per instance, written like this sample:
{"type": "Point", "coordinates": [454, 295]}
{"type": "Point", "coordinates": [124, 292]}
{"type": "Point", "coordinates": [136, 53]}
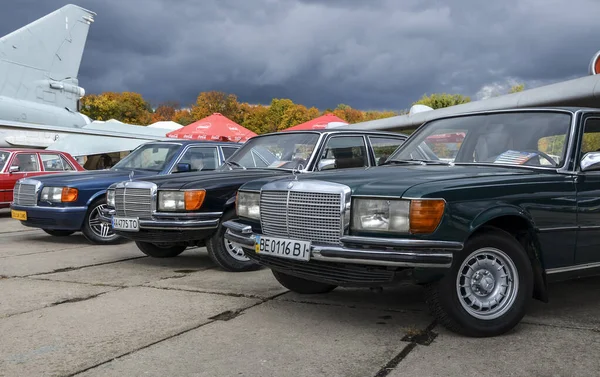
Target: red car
{"type": "Point", "coordinates": [16, 163]}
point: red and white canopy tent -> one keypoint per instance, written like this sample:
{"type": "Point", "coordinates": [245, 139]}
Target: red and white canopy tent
{"type": "Point", "coordinates": [324, 121]}
{"type": "Point", "coordinates": [215, 127]}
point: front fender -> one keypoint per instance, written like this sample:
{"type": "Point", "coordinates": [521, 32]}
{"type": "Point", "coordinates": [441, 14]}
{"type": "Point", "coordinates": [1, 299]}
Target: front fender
{"type": "Point", "coordinates": [95, 196]}
{"type": "Point", "coordinates": [503, 210]}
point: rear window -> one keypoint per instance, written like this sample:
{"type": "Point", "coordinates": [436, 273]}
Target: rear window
{"type": "Point", "coordinates": [3, 159]}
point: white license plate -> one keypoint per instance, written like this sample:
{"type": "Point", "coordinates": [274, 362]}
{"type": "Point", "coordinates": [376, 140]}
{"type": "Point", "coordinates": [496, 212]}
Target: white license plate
{"type": "Point", "coordinates": [281, 247]}
{"type": "Point", "coordinates": [130, 224]}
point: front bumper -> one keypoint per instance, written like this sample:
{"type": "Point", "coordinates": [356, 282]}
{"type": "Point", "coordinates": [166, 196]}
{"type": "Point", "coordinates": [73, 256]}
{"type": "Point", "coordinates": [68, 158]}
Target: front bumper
{"type": "Point", "coordinates": [54, 218]}
{"type": "Point", "coordinates": [169, 227]}
{"type": "Point", "coordinates": [390, 252]}
{"type": "Point", "coordinates": [357, 261]}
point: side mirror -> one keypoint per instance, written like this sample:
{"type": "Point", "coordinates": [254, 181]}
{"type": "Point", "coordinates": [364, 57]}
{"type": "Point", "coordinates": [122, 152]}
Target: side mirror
{"type": "Point", "coordinates": [183, 167]}
{"type": "Point", "coordinates": [326, 164]}
{"type": "Point", "coordinates": [591, 161]}
{"type": "Point", "coordinates": [13, 169]}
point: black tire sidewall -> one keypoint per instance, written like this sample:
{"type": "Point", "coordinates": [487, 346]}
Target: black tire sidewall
{"type": "Point", "coordinates": [217, 252]}
{"type": "Point", "coordinates": [88, 232]}
{"type": "Point", "coordinates": [448, 295]}
{"type": "Point", "coordinates": [156, 251]}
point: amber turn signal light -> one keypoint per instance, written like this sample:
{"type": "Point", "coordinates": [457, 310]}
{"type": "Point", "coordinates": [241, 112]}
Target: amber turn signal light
{"type": "Point", "coordinates": [425, 215]}
{"type": "Point", "coordinates": [68, 195]}
{"type": "Point", "coordinates": [194, 199]}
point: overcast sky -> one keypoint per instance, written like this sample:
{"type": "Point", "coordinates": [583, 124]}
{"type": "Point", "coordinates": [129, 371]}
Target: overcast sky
{"type": "Point", "coordinates": [369, 54]}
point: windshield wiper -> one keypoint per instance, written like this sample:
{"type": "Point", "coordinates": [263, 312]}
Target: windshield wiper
{"type": "Point", "coordinates": [233, 163]}
{"type": "Point", "coordinates": [417, 162]}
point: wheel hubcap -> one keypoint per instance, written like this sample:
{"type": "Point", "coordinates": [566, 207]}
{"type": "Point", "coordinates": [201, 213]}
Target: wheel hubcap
{"type": "Point", "coordinates": [487, 283]}
{"type": "Point", "coordinates": [98, 227]}
{"type": "Point", "coordinates": [235, 251]}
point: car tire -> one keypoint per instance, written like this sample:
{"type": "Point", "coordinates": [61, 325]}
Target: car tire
{"type": "Point", "coordinates": [156, 251]}
{"type": "Point", "coordinates": [302, 286]}
{"type": "Point", "coordinates": [93, 229]}
{"type": "Point", "coordinates": [58, 233]}
{"type": "Point", "coordinates": [225, 254]}
{"type": "Point", "coordinates": [487, 289]}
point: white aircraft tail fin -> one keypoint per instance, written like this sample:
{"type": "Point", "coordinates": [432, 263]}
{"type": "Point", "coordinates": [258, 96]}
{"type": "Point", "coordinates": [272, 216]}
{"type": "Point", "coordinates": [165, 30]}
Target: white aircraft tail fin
{"type": "Point", "coordinates": [40, 61]}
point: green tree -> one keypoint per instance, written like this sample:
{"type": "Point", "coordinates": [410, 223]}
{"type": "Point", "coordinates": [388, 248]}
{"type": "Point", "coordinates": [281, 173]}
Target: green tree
{"type": "Point", "coordinates": [440, 100]}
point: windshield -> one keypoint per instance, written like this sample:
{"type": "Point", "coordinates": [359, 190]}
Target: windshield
{"type": "Point", "coordinates": [3, 159]}
{"type": "Point", "coordinates": [151, 157]}
{"type": "Point", "coordinates": [526, 138]}
{"type": "Point", "coordinates": [283, 151]}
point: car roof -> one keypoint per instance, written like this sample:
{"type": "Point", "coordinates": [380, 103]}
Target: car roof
{"type": "Point", "coordinates": [337, 131]}
{"type": "Point", "coordinates": [188, 141]}
{"type": "Point", "coordinates": [29, 150]}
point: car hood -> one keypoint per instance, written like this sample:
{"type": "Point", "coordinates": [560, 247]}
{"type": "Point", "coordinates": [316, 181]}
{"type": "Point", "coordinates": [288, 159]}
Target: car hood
{"type": "Point", "coordinates": [89, 177]}
{"type": "Point", "coordinates": [406, 180]}
{"type": "Point", "coordinates": [210, 179]}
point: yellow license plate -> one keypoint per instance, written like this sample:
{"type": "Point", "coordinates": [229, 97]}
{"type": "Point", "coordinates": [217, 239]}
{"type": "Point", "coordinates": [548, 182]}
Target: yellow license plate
{"type": "Point", "coordinates": [19, 215]}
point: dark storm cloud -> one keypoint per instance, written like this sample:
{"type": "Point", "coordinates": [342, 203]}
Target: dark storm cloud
{"type": "Point", "coordinates": [378, 54]}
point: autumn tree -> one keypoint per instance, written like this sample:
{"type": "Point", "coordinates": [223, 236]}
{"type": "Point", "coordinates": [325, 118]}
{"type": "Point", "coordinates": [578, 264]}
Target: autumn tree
{"type": "Point", "coordinates": [127, 107]}
{"type": "Point", "coordinates": [209, 103]}
{"type": "Point", "coordinates": [348, 114]}
{"type": "Point", "coordinates": [165, 112]}
{"type": "Point", "coordinates": [440, 100]}
{"type": "Point", "coordinates": [183, 117]}
{"type": "Point", "coordinates": [254, 117]}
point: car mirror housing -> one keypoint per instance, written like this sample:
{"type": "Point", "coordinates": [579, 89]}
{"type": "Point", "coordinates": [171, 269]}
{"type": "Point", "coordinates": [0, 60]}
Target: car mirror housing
{"type": "Point", "coordinates": [590, 161]}
{"type": "Point", "coordinates": [13, 169]}
{"type": "Point", "coordinates": [183, 167]}
{"type": "Point", "coordinates": [326, 164]}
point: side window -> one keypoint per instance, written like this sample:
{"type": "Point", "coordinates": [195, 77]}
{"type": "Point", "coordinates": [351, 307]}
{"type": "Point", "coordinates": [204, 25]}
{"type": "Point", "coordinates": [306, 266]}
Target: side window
{"type": "Point", "coordinates": [55, 162]}
{"type": "Point", "coordinates": [591, 137]}
{"type": "Point", "coordinates": [342, 152]}
{"type": "Point", "coordinates": [26, 162]}
{"type": "Point", "coordinates": [200, 158]}
{"type": "Point", "coordinates": [228, 151]}
{"type": "Point", "coordinates": [383, 147]}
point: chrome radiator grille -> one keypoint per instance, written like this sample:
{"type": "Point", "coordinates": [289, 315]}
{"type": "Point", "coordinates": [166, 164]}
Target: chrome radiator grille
{"type": "Point", "coordinates": [24, 194]}
{"type": "Point", "coordinates": [302, 215]}
{"type": "Point", "coordinates": [134, 202]}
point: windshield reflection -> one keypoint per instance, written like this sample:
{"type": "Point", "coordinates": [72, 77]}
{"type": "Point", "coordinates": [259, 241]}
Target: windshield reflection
{"type": "Point", "coordinates": [278, 151]}
{"type": "Point", "coordinates": [525, 138]}
{"type": "Point", "coordinates": [151, 157]}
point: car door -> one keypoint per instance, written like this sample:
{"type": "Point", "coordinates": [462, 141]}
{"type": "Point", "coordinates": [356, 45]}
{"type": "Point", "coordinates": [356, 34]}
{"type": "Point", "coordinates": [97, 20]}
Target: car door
{"type": "Point", "coordinates": [343, 152]}
{"type": "Point", "coordinates": [588, 195]}
{"type": "Point", "coordinates": [6, 181]}
{"type": "Point", "coordinates": [27, 163]}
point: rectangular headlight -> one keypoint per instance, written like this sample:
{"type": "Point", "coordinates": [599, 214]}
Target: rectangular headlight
{"type": "Point", "coordinates": [171, 201]}
{"type": "Point", "coordinates": [110, 198]}
{"type": "Point", "coordinates": [248, 205]}
{"type": "Point", "coordinates": [397, 215]}
{"type": "Point", "coordinates": [51, 194]}
{"type": "Point", "coordinates": [387, 215]}
{"type": "Point", "coordinates": [180, 200]}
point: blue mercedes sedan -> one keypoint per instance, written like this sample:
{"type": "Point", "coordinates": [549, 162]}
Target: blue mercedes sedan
{"type": "Point", "coordinates": [63, 204]}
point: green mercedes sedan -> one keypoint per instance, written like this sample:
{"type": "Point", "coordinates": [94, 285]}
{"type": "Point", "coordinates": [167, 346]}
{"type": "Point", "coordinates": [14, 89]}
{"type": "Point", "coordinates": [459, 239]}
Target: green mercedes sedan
{"type": "Point", "coordinates": [483, 209]}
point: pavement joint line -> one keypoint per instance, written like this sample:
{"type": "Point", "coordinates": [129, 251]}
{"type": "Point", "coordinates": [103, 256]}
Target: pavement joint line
{"type": "Point", "coordinates": [354, 306]}
{"type": "Point", "coordinates": [569, 327]}
{"type": "Point", "coordinates": [42, 252]}
{"type": "Point", "coordinates": [78, 282]}
{"type": "Point", "coordinates": [228, 294]}
{"type": "Point", "coordinates": [413, 342]}
{"type": "Point", "coordinates": [208, 322]}
{"type": "Point", "coordinates": [67, 269]}
{"type": "Point", "coordinates": [56, 303]}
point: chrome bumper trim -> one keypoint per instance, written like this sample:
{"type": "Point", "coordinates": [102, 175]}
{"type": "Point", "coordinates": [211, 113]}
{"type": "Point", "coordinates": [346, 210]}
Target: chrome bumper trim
{"type": "Point", "coordinates": [415, 254]}
{"type": "Point", "coordinates": [169, 221]}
